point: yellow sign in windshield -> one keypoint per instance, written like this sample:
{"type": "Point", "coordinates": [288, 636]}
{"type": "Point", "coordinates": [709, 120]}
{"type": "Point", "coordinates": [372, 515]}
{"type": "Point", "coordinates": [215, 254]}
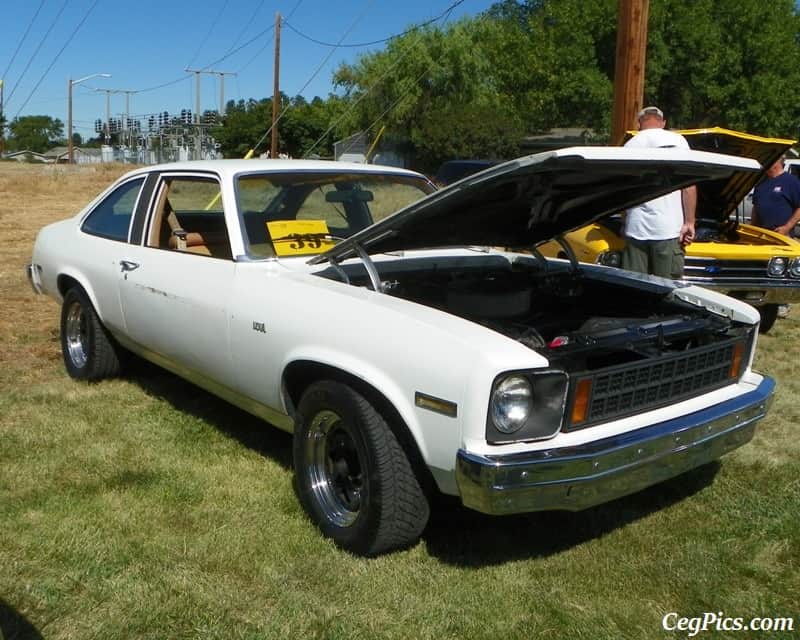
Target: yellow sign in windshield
{"type": "Point", "coordinates": [297, 237]}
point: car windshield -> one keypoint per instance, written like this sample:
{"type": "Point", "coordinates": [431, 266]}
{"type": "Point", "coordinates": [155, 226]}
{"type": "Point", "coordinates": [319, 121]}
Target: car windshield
{"type": "Point", "coordinates": [307, 213]}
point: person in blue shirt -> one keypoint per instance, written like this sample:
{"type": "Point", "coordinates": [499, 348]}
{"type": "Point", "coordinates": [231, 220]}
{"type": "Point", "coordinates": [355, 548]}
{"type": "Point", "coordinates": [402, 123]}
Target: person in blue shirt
{"type": "Point", "coordinates": [776, 200]}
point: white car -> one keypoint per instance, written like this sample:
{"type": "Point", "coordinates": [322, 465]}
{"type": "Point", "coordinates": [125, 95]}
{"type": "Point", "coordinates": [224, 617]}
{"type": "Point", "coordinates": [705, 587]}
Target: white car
{"type": "Point", "coordinates": [407, 353]}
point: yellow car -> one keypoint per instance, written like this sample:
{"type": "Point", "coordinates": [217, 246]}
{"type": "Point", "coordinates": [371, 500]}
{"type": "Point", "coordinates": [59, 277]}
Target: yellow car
{"type": "Point", "coordinates": [747, 262]}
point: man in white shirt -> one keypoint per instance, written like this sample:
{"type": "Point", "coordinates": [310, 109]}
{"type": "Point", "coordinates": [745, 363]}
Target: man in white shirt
{"type": "Point", "coordinates": [656, 231]}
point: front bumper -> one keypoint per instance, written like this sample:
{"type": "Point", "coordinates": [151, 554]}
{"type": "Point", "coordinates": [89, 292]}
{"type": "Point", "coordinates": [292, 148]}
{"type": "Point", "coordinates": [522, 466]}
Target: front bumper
{"type": "Point", "coordinates": [751, 290]}
{"type": "Point", "coordinates": [575, 478]}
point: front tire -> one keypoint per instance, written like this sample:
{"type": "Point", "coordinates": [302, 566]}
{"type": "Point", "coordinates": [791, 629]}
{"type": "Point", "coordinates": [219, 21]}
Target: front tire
{"type": "Point", "coordinates": [352, 476]}
{"type": "Point", "coordinates": [89, 351]}
{"type": "Point", "coordinates": [769, 314]}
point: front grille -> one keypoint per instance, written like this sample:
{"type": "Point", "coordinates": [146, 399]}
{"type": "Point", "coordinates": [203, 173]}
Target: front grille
{"type": "Point", "coordinates": [703, 268]}
{"type": "Point", "coordinates": [641, 386]}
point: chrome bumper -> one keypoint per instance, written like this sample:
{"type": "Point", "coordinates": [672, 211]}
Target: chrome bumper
{"type": "Point", "coordinates": [575, 478]}
{"type": "Point", "coordinates": [755, 292]}
{"type": "Point", "coordinates": [34, 273]}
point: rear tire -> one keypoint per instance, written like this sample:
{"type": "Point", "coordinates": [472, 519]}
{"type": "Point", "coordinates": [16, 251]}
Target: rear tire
{"type": "Point", "coordinates": [89, 351]}
{"type": "Point", "coordinates": [769, 314]}
{"type": "Point", "coordinates": [352, 476]}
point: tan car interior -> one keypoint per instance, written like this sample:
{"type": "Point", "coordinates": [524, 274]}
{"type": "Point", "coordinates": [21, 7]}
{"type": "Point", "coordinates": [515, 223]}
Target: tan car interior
{"type": "Point", "coordinates": [198, 232]}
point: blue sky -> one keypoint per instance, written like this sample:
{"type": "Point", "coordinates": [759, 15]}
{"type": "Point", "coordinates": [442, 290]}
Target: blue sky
{"type": "Point", "coordinates": [149, 43]}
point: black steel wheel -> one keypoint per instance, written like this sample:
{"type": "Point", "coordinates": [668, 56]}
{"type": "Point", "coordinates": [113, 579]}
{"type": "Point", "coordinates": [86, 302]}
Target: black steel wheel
{"type": "Point", "coordinates": [352, 476]}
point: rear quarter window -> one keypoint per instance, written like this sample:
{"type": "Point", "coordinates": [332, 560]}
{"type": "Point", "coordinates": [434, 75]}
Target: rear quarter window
{"type": "Point", "coordinates": [112, 217]}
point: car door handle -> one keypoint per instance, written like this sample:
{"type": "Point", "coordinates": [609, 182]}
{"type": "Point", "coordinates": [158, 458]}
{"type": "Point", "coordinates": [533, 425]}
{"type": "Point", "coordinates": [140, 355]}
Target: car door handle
{"type": "Point", "coordinates": [127, 265]}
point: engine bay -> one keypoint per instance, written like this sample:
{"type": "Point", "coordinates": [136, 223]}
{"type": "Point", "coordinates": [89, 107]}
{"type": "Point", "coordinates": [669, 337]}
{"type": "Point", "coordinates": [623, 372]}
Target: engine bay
{"type": "Point", "coordinates": [577, 320]}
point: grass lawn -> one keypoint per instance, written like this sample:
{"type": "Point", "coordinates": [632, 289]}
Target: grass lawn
{"type": "Point", "coordinates": [145, 508]}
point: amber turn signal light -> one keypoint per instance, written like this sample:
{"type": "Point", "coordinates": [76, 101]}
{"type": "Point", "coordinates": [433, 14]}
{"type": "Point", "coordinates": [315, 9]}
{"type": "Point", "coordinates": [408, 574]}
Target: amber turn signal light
{"type": "Point", "coordinates": [580, 404]}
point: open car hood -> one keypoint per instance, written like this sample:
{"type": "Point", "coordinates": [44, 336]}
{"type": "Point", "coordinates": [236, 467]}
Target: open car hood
{"type": "Point", "coordinates": [719, 198]}
{"type": "Point", "coordinates": [528, 201]}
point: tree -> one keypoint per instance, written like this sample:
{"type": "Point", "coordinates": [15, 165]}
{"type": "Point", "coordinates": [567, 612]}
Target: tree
{"type": "Point", "coordinates": [709, 62]}
{"type": "Point", "coordinates": [723, 63]}
{"type": "Point", "coordinates": [302, 125]}
{"type": "Point", "coordinates": [422, 85]}
{"type": "Point", "coordinates": [35, 133]}
{"type": "Point", "coordinates": [309, 127]}
{"type": "Point", "coordinates": [555, 60]}
{"type": "Point", "coordinates": [540, 64]}
{"type": "Point", "coordinates": [491, 131]}
{"type": "Point", "coordinates": [242, 126]}
{"type": "Point", "coordinates": [524, 68]}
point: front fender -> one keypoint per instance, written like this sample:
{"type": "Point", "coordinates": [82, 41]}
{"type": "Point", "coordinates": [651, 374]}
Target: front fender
{"type": "Point", "coordinates": [437, 436]}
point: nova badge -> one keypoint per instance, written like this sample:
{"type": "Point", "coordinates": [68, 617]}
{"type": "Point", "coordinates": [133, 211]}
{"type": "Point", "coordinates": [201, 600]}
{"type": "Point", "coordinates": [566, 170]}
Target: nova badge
{"type": "Point", "coordinates": [260, 327]}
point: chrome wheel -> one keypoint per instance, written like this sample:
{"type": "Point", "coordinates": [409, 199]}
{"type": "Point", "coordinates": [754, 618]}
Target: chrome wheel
{"type": "Point", "coordinates": [89, 351]}
{"type": "Point", "coordinates": [335, 469]}
{"type": "Point", "coordinates": [76, 334]}
{"type": "Point", "coordinates": [352, 476]}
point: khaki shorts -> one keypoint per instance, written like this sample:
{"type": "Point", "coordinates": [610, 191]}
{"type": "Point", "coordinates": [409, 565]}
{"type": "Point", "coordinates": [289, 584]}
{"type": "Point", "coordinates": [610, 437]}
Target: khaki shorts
{"type": "Point", "coordinates": [658, 257]}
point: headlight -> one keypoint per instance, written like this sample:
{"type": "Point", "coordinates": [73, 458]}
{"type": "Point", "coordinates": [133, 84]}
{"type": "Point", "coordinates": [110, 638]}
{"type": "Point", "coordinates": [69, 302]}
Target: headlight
{"type": "Point", "coordinates": [610, 258]}
{"type": "Point", "coordinates": [511, 405]}
{"type": "Point", "coordinates": [777, 266]}
{"type": "Point", "coordinates": [794, 268]}
{"type": "Point", "coordinates": [526, 406]}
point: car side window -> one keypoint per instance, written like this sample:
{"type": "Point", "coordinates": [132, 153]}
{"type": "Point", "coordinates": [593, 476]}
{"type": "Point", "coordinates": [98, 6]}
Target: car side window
{"type": "Point", "coordinates": [189, 217]}
{"type": "Point", "coordinates": [112, 217]}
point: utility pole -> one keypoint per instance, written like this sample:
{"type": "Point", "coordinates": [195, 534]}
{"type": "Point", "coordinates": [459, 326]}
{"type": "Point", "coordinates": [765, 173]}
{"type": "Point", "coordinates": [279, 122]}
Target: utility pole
{"type": "Point", "coordinates": [70, 151]}
{"type": "Point", "coordinates": [276, 87]}
{"type": "Point", "coordinates": [2, 122]}
{"type": "Point", "coordinates": [197, 120]}
{"type": "Point", "coordinates": [108, 117]}
{"type": "Point", "coordinates": [125, 125]}
{"type": "Point", "coordinates": [629, 67]}
{"type": "Point", "coordinates": [221, 75]}
{"type": "Point", "coordinates": [128, 109]}
{"type": "Point", "coordinates": [71, 83]}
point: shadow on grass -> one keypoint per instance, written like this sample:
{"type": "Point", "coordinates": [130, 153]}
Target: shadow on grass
{"type": "Point", "coordinates": [459, 536]}
{"type": "Point", "coordinates": [251, 431]}
{"type": "Point", "coordinates": [15, 626]}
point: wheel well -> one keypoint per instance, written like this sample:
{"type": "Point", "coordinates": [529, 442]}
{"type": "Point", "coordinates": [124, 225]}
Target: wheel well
{"type": "Point", "coordinates": [300, 374]}
{"type": "Point", "coordinates": [65, 283]}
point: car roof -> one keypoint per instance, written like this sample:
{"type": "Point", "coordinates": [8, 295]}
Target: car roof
{"type": "Point", "coordinates": [231, 167]}
{"type": "Point", "coordinates": [454, 170]}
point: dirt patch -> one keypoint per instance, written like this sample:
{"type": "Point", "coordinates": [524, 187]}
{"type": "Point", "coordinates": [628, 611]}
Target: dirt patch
{"type": "Point", "coordinates": [32, 196]}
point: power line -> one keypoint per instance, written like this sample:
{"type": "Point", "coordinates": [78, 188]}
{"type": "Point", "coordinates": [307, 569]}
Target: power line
{"type": "Point", "coordinates": [58, 55]}
{"type": "Point", "coordinates": [36, 52]}
{"type": "Point", "coordinates": [236, 49]}
{"type": "Point", "coordinates": [314, 75]}
{"type": "Point", "coordinates": [232, 51]}
{"type": "Point", "coordinates": [355, 103]}
{"type": "Point", "coordinates": [164, 84]}
{"type": "Point", "coordinates": [22, 40]}
{"type": "Point", "coordinates": [239, 48]}
{"type": "Point", "coordinates": [211, 64]}
{"type": "Point", "coordinates": [246, 25]}
{"type": "Point", "coordinates": [333, 50]}
{"type": "Point", "coordinates": [210, 29]}
{"type": "Point", "coordinates": [421, 25]}
{"type": "Point", "coordinates": [261, 50]}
